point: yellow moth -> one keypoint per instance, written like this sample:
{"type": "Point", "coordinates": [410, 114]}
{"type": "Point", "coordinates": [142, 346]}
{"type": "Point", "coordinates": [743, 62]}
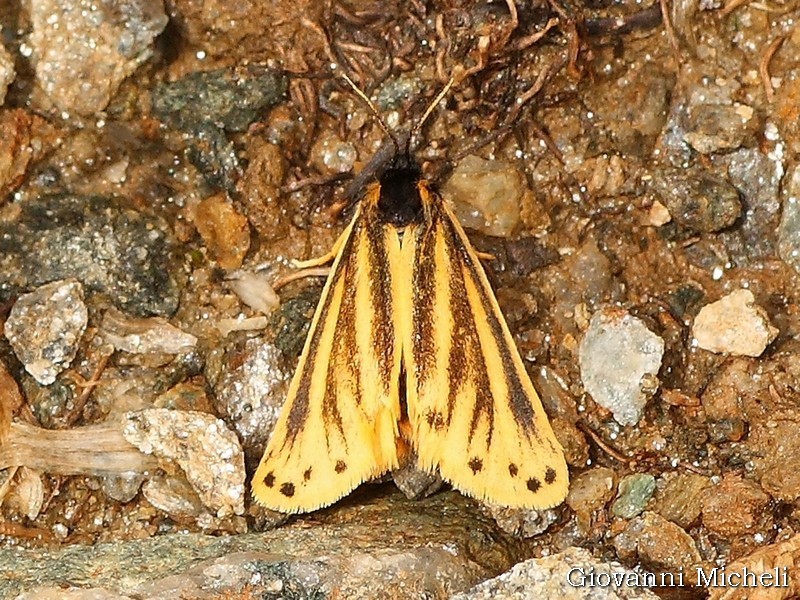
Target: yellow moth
{"type": "Point", "coordinates": [408, 351]}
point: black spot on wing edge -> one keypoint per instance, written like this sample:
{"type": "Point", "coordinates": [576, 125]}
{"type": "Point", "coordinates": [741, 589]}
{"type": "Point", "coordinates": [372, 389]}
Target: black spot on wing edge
{"type": "Point", "coordinates": [476, 464]}
{"type": "Point", "coordinates": [549, 475]}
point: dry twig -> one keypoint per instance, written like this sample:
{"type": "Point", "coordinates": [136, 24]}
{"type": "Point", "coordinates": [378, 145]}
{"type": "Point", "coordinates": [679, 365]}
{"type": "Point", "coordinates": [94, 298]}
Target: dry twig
{"type": "Point", "coordinates": [574, 43]}
{"type": "Point", "coordinates": [530, 40]}
{"type": "Point", "coordinates": [602, 444]}
{"type": "Point", "coordinates": [88, 387]}
{"type": "Point", "coordinates": [731, 6]}
{"type": "Point", "coordinates": [763, 67]}
{"type": "Point", "coordinates": [673, 40]}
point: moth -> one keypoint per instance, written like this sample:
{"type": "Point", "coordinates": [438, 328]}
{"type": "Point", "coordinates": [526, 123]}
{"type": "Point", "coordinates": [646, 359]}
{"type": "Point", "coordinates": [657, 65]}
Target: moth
{"type": "Point", "coordinates": [409, 355]}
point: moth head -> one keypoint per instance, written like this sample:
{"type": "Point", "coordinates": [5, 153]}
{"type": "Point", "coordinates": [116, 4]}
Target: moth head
{"type": "Point", "coordinates": [394, 167]}
{"type": "Point", "coordinates": [400, 203]}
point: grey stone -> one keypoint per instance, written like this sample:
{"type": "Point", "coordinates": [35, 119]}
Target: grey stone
{"type": "Point", "coordinates": [84, 49]}
{"type": "Point", "coordinates": [619, 359]}
{"type": "Point", "coordinates": [45, 327]}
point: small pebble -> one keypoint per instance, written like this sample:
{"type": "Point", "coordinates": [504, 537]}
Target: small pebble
{"type": "Point", "coordinates": [254, 289]}
{"type": "Point", "coordinates": [632, 106]}
{"type": "Point", "coordinates": [147, 335]}
{"type": "Point", "coordinates": [658, 215]}
{"type": "Point", "coordinates": [45, 327]}
{"type": "Point", "coordinates": [758, 180]}
{"type": "Point", "coordinates": [619, 360]}
{"type": "Point", "coordinates": [634, 493]}
{"type": "Point", "coordinates": [658, 543]}
{"type": "Point", "coordinates": [521, 522]}
{"type": "Point", "coordinates": [736, 507]}
{"type": "Point", "coordinates": [173, 495]}
{"type": "Point", "coordinates": [331, 155]}
{"type": "Point", "coordinates": [734, 324]}
{"type": "Point", "coordinates": [122, 488]}
{"type": "Point", "coordinates": [83, 49]}
{"type": "Point", "coordinates": [590, 491]}
{"type": "Point", "coordinates": [249, 380]}
{"type": "Point", "coordinates": [226, 233]}
{"type": "Point", "coordinates": [486, 195]}
{"type": "Point", "coordinates": [680, 500]}
{"type": "Point", "coordinates": [775, 447]}
{"type": "Point", "coordinates": [232, 99]}
{"type": "Point", "coordinates": [26, 496]}
{"type": "Point", "coordinates": [715, 127]}
{"type": "Point", "coordinates": [415, 483]}
{"type": "Point", "coordinates": [698, 200]}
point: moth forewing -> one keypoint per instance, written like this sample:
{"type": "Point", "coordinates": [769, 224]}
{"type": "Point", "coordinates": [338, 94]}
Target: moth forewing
{"type": "Point", "coordinates": [338, 426]}
{"type": "Point", "coordinates": [474, 412]}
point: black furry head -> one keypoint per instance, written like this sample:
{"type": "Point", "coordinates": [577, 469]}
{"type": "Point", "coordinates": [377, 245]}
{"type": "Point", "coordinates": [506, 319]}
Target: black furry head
{"type": "Point", "coordinates": [400, 203]}
{"type": "Point", "coordinates": [398, 174]}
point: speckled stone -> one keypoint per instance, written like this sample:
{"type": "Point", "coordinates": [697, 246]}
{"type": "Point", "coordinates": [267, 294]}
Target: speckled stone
{"type": "Point", "coordinates": [45, 327]}
{"type": "Point", "coordinates": [125, 254]}
{"type": "Point", "coordinates": [84, 49]}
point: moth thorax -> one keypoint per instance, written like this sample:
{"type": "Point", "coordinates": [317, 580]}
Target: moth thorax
{"type": "Point", "coordinates": [400, 203]}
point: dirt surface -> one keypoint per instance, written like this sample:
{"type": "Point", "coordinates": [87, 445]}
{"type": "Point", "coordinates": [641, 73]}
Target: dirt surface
{"type": "Point", "coordinates": [628, 164]}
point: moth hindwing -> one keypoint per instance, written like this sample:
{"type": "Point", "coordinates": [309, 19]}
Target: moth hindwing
{"type": "Point", "coordinates": [408, 347]}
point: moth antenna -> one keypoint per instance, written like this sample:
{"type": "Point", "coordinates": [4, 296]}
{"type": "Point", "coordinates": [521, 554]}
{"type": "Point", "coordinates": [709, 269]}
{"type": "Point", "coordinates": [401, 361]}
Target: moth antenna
{"type": "Point", "coordinates": [372, 109]}
{"type": "Point", "coordinates": [428, 111]}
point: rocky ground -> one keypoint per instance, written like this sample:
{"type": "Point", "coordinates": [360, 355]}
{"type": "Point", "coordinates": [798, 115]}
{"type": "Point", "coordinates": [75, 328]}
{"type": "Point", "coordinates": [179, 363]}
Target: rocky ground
{"type": "Point", "coordinates": [633, 168]}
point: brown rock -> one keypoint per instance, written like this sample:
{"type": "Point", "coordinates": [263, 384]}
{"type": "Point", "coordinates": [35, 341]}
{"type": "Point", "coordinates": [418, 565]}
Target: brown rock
{"type": "Point", "coordinates": [680, 500]}
{"type": "Point", "coordinates": [261, 192]}
{"type": "Point", "coordinates": [223, 230]}
{"type": "Point", "coordinates": [775, 448]}
{"type": "Point", "coordinates": [734, 324]}
{"type": "Point", "coordinates": [486, 195]}
{"type": "Point", "coordinates": [23, 138]}
{"type": "Point", "coordinates": [576, 448]}
{"type": "Point", "coordinates": [657, 543]}
{"type": "Point", "coordinates": [732, 398]}
{"type": "Point", "coordinates": [736, 507]}
{"type": "Point", "coordinates": [589, 492]}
